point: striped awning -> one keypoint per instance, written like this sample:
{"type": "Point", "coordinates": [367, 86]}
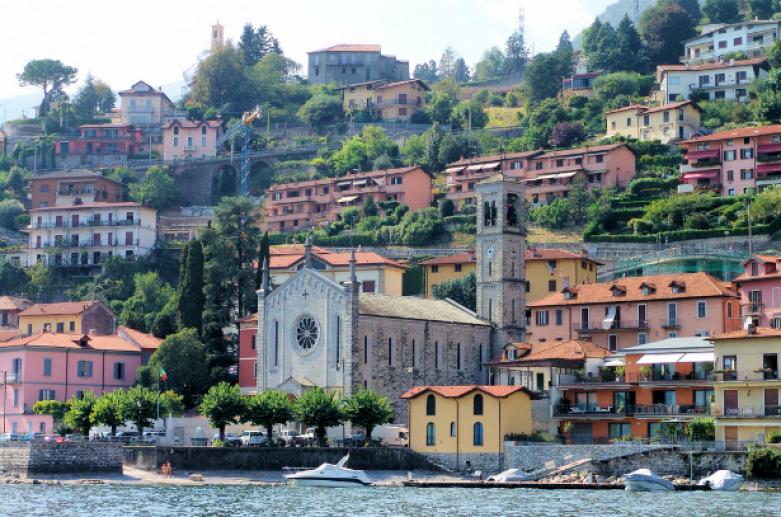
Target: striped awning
{"type": "Point", "coordinates": [346, 199]}
{"type": "Point", "coordinates": [701, 155]}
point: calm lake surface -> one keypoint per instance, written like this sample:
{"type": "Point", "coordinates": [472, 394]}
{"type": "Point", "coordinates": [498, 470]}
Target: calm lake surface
{"type": "Point", "coordinates": [125, 501]}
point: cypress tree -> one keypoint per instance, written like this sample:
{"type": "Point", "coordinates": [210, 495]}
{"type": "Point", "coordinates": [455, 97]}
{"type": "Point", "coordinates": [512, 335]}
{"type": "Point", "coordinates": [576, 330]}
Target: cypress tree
{"type": "Point", "coordinates": [191, 297]}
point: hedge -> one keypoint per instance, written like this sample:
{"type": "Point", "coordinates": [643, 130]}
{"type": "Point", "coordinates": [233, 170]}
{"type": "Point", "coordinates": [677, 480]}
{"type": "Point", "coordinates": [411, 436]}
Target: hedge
{"type": "Point", "coordinates": [763, 462]}
{"type": "Point", "coordinates": [460, 219]}
{"type": "Point", "coordinates": [680, 235]}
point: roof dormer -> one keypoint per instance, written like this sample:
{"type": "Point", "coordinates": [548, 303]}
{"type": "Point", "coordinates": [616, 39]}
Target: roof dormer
{"type": "Point", "coordinates": [569, 293]}
{"type": "Point", "coordinates": [647, 288]}
{"type": "Point", "coordinates": [678, 287]}
{"type": "Point", "coordinates": [617, 290]}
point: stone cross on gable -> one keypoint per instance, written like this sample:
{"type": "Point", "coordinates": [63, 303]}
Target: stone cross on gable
{"type": "Point", "coordinates": [305, 294]}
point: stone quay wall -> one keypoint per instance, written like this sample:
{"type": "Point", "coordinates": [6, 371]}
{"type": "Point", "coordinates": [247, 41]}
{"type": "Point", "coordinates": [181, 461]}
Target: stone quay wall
{"type": "Point", "coordinates": [468, 461]}
{"type": "Point", "coordinates": [671, 462]}
{"type": "Point", "coordinates": [538, 456]}
{"type": "Point", "coordinates": [25, 458]}
{"type": "Point", "coordinates": [272, 458]}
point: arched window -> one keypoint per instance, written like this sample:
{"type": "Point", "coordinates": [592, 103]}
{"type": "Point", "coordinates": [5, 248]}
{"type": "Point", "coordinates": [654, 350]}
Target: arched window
{"type": "Point", "coordinates": [431, 434]}
{"type": "Point", "coordinates": [452, 429]}
{"type": "Point", "coordinates": [477, 438]}
{"type": "Point", "coordinates": [203, 130]}
{"type": "Point", "coordinates": [176, 130]}
{"type": "Point", "coordinates": [477, 404]}
{"type": "Point", "coordinates": [431, 405]}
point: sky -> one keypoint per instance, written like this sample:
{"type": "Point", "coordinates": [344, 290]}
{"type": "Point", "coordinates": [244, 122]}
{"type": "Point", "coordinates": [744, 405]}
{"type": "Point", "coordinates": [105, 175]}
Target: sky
{"type": "Point", "coordinates": [156, 40]}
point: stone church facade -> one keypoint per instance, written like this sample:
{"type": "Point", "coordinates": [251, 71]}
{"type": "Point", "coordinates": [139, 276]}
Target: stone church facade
{"type": "Point", "coordinates": [313, 331]}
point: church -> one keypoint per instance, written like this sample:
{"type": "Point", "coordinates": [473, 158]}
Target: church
{"type": "Point", "coordinates": [313, 331]}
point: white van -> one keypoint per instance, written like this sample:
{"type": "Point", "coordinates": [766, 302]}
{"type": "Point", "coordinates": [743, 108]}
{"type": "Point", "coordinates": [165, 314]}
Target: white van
{"type": "Point", "coordinates": [391, 435]}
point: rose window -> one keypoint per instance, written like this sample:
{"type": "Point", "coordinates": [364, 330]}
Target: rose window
{"type": "Point", "coordinates": [307, 333]}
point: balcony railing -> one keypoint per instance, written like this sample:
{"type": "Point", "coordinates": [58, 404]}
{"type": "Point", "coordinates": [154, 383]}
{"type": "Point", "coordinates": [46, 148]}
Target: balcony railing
{"type": "Point", "coordinates": [85, 244]}
{"type": "Point", "coordinates": [751, 309]}
{"type": "Point", "coordinates": [561, 410]}
{"type": "Point", "coordinates": [750, 412]}
{"type": "Point", "coordinates": [13, 377]}
{"type": "Point", "coordinates": [670, 409]}
{"type": "Point", "coordinates": [90, 223]}
{"type": "Point", "coordinates": [609, 376]}
{"type": "Point", "coordinates": [765, 374]}
{"type": "Point", "coordinates": [602, 326]}
{"type": "Point", "coordinates": [670, 323]}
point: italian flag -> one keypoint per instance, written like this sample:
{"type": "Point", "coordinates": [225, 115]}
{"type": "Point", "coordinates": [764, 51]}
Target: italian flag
{"type": "Point", "coordinates": [163, 375]}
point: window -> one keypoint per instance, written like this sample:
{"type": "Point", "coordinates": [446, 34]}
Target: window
{"type": "Point", "coordinates": [430, 434]}
{"type": "Point", "coordinates": [730, 155]}
{"type": "Point", "coordinates": [119, 371]}
{"type": "Point", "coordinates": [60, 327]}
{"type": "Point", "coordinates": [746, 174]}
{"type": "Point", "coordinates": [612, 342]}
{"type": "Point", "coordinates": [458, 356]}
{"type": "Point", "coordinates": [672, 314]}
{"type": "Point", "coordinates": [730, 176]}
{"type": "Point", "coordinates": [396, 180]}
{"type": "Point", "coordinates": [730, 364]}
{"type": "Point", "coordinates": [542, 318]}
{"type": "Point", "coordinates": [619, 429]}
{"type": "Point", "coordinates": [477, 405]}
{"type": "Point", "coordinates": [642, 338]}
{"type": "Point", "coordinates": [84, 369]}
{"type": "Point", "coordinates": [435, 269]}
{"type": "Point", "coordinates": [646, 120]}
{"type": "Point", "coordinates": [436, 355]}
{"type": "Point", "coordinates": [701, 309]}
{"type": "Point", "coordinates": [276, 343]}
{"type": "Point", "coordinates": [431, 405]}
{"type": "Point", "coordinates": [72, 325]}
{"type": "Point", "coordinates": [414, 354]}
{"type": "Point", "coordinates": [628, 122]}
{"type": "Point", "coordinates": [47, 366]}
{"type": "Point", "coordinates": [559, 315]}
{"type": "Point", "coordinates": [369, 286]}
{"type": "Point", "coordinates": [452, 429]}
{"type": "Point", "coordinates": [46, 394]}
{"type": "Point", "coordinates": [552, 286]}
{"type": "Point", "coordinates": [458, 268]}
{"type": "Point", "coordinates": [747, 153]}
{"type": "Point", "coordinates": [390, 351]}
{"type": "Point", "coordinates": [477, 434]}
{"type": "Point", "coordinates": [737, 41]}
{"type": "Point", "coordinates": [15, 402]}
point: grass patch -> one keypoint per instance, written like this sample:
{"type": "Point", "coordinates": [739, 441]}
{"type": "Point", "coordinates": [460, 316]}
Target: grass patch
{"type": "Point", "coordinates": [503, 117]}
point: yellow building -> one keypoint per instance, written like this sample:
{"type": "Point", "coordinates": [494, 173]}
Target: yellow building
{"type": "Point", "coordinates": [747, 386]}
{"type": "Point", "coordinates": [460, 424]}
{"type": "Point", "coordinates": [676, 121]}
{"type": "Point", "coordinates": [67, 317]}
{"type": "Point", "coordinates": [547, 271]}
{"type": "Point", "coordinates": [386, 100]}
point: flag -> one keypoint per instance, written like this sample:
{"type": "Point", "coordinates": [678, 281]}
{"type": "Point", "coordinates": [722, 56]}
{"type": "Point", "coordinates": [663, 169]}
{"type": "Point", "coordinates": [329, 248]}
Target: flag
{"type": "Point", "coordinates": [163, 375]}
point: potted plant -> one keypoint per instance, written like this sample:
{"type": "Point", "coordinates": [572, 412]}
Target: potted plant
{"type": "Point", "coordinates": [647, 372]}
{"type": "Point", "coordinates": [620, 372]}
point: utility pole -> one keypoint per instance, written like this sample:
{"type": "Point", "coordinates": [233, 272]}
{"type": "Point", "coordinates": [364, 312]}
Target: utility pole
{"type": "Point", "coordinates": [5, 384]}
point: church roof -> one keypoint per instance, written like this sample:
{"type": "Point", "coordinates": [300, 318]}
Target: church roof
{"type": "Point", "coordinates": [413, 308]}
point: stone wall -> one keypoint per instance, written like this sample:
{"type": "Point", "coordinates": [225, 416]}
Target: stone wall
{"type": "Point", "coordinates": [672, 462]}
{"type": "Point", "coordinates": [537, 456]}
{"type": "Point", "coordinates": [262, 458]}
{"type": "Point", "coordinates": [67, 458]}
{"type": "Point", "coordinates": [469, 462]}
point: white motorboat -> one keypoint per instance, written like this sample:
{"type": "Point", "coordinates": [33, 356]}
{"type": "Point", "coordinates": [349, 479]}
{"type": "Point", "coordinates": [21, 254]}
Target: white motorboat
{"type": "Point", "coordinates": [511, 475]}
{"type": "Point", "coordinates": [643, 480]}
{"type": "Point", "coordinates": [329, 475]}
{"type": "Point", "coordinates": [724, 480]}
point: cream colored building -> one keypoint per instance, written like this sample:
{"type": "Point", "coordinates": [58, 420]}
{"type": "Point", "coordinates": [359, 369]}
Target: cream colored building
{"type": "Point", "coordinates": [675, 121]}
{"type": "Point", "coordinates": [747, 386]}
{"type": "Point", "coordinates": [387, 100]}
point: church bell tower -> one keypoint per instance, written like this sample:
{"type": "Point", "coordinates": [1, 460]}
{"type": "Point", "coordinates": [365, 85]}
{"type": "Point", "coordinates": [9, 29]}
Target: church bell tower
{"type": "Point", "coordinates": [500, 246]}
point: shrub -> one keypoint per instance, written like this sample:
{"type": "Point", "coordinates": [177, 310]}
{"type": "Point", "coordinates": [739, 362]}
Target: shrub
{"type": "Point", "coordinates": [763, 462]}
{"type": "Point", "coordinates": [701, 430]}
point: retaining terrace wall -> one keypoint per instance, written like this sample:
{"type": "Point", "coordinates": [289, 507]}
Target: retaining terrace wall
{"type": "Point", "coordinates": [272, 458]}
{"type": "Point", "coordinates": [67, 458]}
{"type": "Point", "coordinates": [671, 462]}
{"type": "Point", "coordinates": [537, 456]}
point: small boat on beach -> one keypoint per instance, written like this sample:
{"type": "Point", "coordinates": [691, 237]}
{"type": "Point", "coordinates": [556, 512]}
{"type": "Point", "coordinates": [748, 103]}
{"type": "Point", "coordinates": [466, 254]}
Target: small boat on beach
{"type": "Point", "coordinates": [329, 475]}
{"type": "Point", "coordinates": [511, 475]}
{"type": "Point", "coordinates": [643, 480]}
{"type": "Point", "coordinates": [723, 480]}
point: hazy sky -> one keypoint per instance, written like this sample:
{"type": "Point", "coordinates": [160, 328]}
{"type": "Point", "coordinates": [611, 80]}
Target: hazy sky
{"type": "Point", "coordinates": [122, 42]}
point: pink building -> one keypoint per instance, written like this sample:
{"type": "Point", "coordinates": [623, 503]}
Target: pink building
{"type": "Point", "coordinates": [305, 204]}
{"type": "Point", "coordinates": [634, 311]}
{"type": "Point", "coordinates": [190, 139]}
{"type": "Point", "coordinates": [731, 162]}
{"type": "Point", "coordinates": [548, 175]}
{"type": "Point", "coordinates": [248, 357]}
{"type": "Point", "coordinates": [760, 291]}
{"type": "Point", "coordinates": [50, 366]}
{"type": "Point", "coordinates": [98, 144]}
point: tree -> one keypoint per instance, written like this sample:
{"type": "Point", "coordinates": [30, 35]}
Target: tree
{"type": "Point", "coordinates": [580, 199]}
{"type": "Point", "coordinates": [256, 43]}
{"type": "Point", "coordinates": [761, 9]}
{"type": "Point", "coordinates": [460, 71]}
{"type": "Point", "coordinates": [93, 98]}
{"type": "Point", "coordinates": [140, 407]}
{"type": "Point", "coordinates": [368, 409]}
{"type": "Point", "coordinates": [13, 278]}
{"type": "Point", "coordinates": [79, 413]}
{"type": "Point", "coordinates": [267, 409]}
{"type": "Point", "coordinates": [10, 209]}
{"type": "Point", "coordinates": [605, 49]}
{"type": "Point", "coordinates": [664, 27]}
{"type": "Point", "coordinates": [54, 408]}
{"type": "Point", "coordinates": [515, 55]}
{"type": "Point", "coordinates": [446, 207]}
{"type": "Point", "coordinates": [320, 110]}
{"type": "Point", "coordinates": [220, 81]}
{"type": "Point", "coordinates": [440, 106]}
{"type": "Point", "coordinates": [157, 189]}
{"type": "Point", "coordinates": [701, 429]}
{"type": "Point", "coordinates": [692, 7]}
{"type": "Point", "coordinates": [151, 301]}
{"type": "Point", "coordinates": [51, 75]}
{"type": "Point", "coordinates": [191, 299]}
{"type": "Point", "coordinates": [460, 290]}
{"type": "Point", "coordinates": [567, 134]}
{"type": "Point", "coordinates": [426, 71]}
{"type": "Point", "coordinates": [110, 409]}
{"type": "Point", "coordinates": [618, 84]}
{"type": "Point", "coordinates": [16, 179]}
{"type": "Point", "coordinates": [774, 54]}
{"type": "Point", "coordinates": [171, 403]}
{"type": "Point", "coordinates": [631, 51]}
{"type": "Point", "coordinates": [721, 11]}
{"type": "Point", "coordinates": [182, 356]}
{"type": "Point", "coordinates": [318, 409]}
{"type": "Point", "coordinates": [491, 66]}
{"type": "Point", "coordinates": [369, 207]}
{"type": "Point", "coordinates": [542, 78]}
{"type": "Point", "coordinates": [447, 64]}
{"type": "Point", "coordinates": [223, 404]}
{"type": "Point", "coordinates": [555, 215]}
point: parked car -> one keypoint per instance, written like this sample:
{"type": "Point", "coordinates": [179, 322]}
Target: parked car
{"type": "Point", "coordinates": [126, 436]}
{"type": "Point", "coordinates": [391, 435]}
{"type": "Point", "coordinates": [356, 440]}
{"type": "Point", "coordinates": [293, 438]}
{"type": "Point", "coordinates": [231, 439]}
{"type": "Point", "coordinates": [10, 437]}
{"type": "Point", "coordinates": [253, 438]}
{"type": "Point", "coordinates": [158, 437]}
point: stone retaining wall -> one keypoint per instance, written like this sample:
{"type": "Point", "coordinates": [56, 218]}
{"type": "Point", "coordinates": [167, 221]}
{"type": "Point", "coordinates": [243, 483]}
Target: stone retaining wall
{"type": "Point", "coordinates": [264, 458]}
{"type": "Point", "coordinates": [537, 456]}
{"type": "Point", "coordinates": [469, 462]}
{"type": "Point", "coordinates": [25, 458]}
{"type": "Point", "coordinates": [671, 462]}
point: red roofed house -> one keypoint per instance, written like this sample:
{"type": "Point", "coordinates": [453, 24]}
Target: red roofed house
{"type": "Point", "coordinates": [190, 139]}
{"type": "Point", "coordinates": [58, 366]}
{"type": "Point", "coordinates": [760, 291]}
{"type": "Point", "coordinates": [99, 145]}
{"type": "Point", "coordinates": [351, 63]}
{"type": "Point", "coordinates": [89, 317]}
{"type": "Point", "coordinates": [66, 188]}
{"type": "Point", "coordinates": [305, 204]}
{"type": "Point", "coordinates": [10, 307]}
{"type": "Point", "coordinates": [464, 427]}
{"type": "Point", "coordinates": [386, 100]}
{"type": "Point", "coordinates": [734, 161]}
{"type": "Point", "coordinates": [635, 311]}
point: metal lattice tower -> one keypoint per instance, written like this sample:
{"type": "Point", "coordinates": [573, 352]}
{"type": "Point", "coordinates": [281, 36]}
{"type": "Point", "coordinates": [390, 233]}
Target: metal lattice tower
{"type": "Point", "coordinates": [245, 127]}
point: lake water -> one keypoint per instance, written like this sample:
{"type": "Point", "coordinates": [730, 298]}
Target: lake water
{"type": "Point", "coordinates": [162, 500]}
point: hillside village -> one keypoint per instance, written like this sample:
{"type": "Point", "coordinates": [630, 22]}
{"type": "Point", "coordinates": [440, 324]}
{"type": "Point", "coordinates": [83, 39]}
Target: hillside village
{"type": "Point", "coordinates": [589, 236]}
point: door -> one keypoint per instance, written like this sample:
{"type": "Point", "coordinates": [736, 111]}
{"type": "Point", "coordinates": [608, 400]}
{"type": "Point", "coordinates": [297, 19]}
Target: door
{"type": "Point", "coordinates": [128, 238]}
{"type": "Point", "coordinates": [74, 221]}
{"type": "Point", "coordinates": [731, 402]}
{"type": "Point", "coordinates": [641, 316]}
{"type": "Point", "coordinates": [584, 318]}
{"type": "Point", "coordinates": [680, 133]}
{"type": "Point", "coordinates": [771, 402]}
{"type": "Point", "coordinates": [540, 382]}
{"type": "Point", "coordinates": [731, 437]}
{"type": "Point", "coordinates": [672, 314]}
{"type": "Point", "coordinates": [582, 433]}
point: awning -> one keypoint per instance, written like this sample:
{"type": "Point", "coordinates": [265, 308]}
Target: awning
{"type": "Point", "coordinates": [769, 148]}
{"type": "Point", "coordinates": [659, 358]}
{"type": "Point", "coordinates": [451, 170]}
{"type": "Point", "coordinates": [492, 165]}
{"type": "Point", "coordinates": [614, 362]}
{"type": "Point", "coordinates": [699, 155]}
{"type": "Point", "coordinates": [769, 167]}
{"type": "Point", "coordinates": [698, 357]}
{"type": "Point", "coordinates": [696, 175]}
{"type": "Point", "coordinates": [346, 199]}
{"type": "Point", "coordinates": [475, 167]}
{"type": "Point", "coordinates": [566, 174]}
{"type": "Point", "coordinates": [344, 184]}
{"type": "Point", "coordinates": [546, 177]}
{"type": "Point", "coordinates": [360, 183]}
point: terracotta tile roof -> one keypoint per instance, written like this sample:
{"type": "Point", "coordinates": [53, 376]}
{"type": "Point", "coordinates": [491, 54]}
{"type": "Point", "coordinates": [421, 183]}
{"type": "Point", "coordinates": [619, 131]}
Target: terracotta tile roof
{"type": "Point", "coordinates": [569, 351]}
{"type": "Point", "coordinates": [710, 66]}
{"type": "Point", "coordinates": [49, 339]}
{"type": "Point", "coordinates": [106, 124]}
{"type": "Point", "coordinates": [362, 258]}
{"type": "Point", "coordinates": [745, 277]}
{"type": "Point", "coordinates": [495, 157]}
{"type": "Point", "coordinates": [741, 132]}
{"type": "Point", "coordinates": [760, 332]}
{"type": "Point", "coordinates": [346, 177]}
{"type": "Point", "coordinates": [294, 249]}
{"type": "Point", "coordinates": [249, 319]}
{"type": "Point", "coordinates": [583, 150]}
{"type": "Point", "coordinates": [460, 391]}
{"type": "Point", "coordinates": [141, 339]}
{"type": "Point", "coordinates": [13, 303]}
{"type": "Point", "coordinates": [400, 83]}
{"type": "Point", "coordinates": [5, 335]}
{"type": "Point", "coordinates": [97, 204]}
{"type": "Point", "coordinates": [61, 308]}
{"type": "Point", "coordinates": [458, 258]}
{"type": "Point", "coordinates": [413, 308]}
{"type": "Point", "coordinates": [653, 109]}
{"type": "Point", "coordinates": [191, 124]}
{"type": "Point", "coordinates": [347, 47]}
{"type": "Point", "coordinates": [697, 285]}
{"type": "Point", "coordinates": [72, 174]}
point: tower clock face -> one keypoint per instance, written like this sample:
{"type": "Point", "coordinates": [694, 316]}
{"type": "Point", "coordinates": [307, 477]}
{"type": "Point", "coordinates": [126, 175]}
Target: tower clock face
{"type": "Point", "coordinates": [489, 252]}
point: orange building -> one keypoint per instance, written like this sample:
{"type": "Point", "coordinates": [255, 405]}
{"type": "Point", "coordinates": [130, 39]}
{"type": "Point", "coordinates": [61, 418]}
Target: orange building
{"type": "Point", "coordinates": [68, 187]}
{"type": "Point", "coordinates": [297, 206]}
{"type": "Point", "coordinates": [386, 100]}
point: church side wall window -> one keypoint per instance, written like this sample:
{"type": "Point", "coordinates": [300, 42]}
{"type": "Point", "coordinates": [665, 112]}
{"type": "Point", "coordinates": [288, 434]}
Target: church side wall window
{"type": "Point", "coordinates": [458, 356]}
{"type": "Point", "coordinates": [480, 358]}
{"type": "Point", "coordinates": [338, 339]}
{"type": "Point", "coordinates": [276, 343]}
{"type": "Point", "coordinates": [365, 349]}
{"type": "Point", "coordinates": [430, 434]}
{"type": "Point", "coordinates": [431, 405]}
{"type": "Point", "coordinates": [414, 354]}
{"type": "Point", "coordinates": [390, 351]}
{"type": "Point", "coordinates": [436, 355]}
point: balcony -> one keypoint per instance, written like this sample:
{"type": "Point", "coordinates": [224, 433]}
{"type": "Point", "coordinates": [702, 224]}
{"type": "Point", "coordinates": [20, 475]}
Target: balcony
{"type": "Point", "coordinates": [750, 412]}
{"type": "Point", "coordinates": [609, 379]}
{"type": "Point", "coordinates": [592, 412]}
{"type": "Point", "coordinates": [90, 223]}
{"type": "Point", "coordinates": [651, 410]}
{"type": "Point", "coordinates": [751, 309]}
{"type": "Point", "coordinates": [603, 326]}
{"type": "Point", "coordinates": [749, 377]}
{"type": "Point", "coordinates": [12, 378]}
{"type": "Point", "coordinates": [669, 323]}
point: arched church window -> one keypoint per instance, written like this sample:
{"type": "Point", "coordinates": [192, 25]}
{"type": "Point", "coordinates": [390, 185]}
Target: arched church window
{"type": "Point", "coordinates": [493, 213]}
{"type": "Point", "coordinates": [512, 210]}
{"type": "Point", "coordinates": [486, 214]}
